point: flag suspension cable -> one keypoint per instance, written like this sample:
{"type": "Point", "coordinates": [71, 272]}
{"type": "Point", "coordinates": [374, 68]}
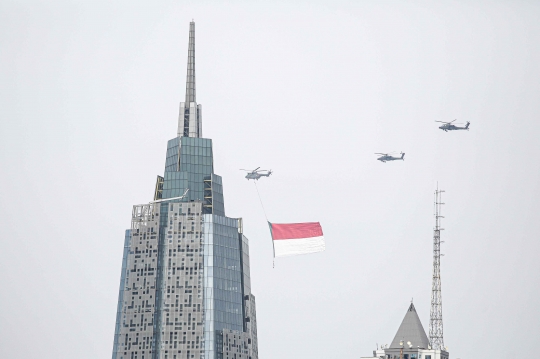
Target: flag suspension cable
{"type": "Point", "coordinates": [260, 200]}
{"type": "Point", "coordinates": [265, 216]}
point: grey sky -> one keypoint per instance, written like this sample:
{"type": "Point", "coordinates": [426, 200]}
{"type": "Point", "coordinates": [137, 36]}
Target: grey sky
{"type": "Point", "coordinates": [89, 96]}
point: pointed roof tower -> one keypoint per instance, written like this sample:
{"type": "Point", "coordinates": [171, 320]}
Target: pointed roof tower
{"type": "Point", "coordinates": [190, 79]}
{"type": "Point", "coordinates": [411, 330]}
{"type": "Point", "coordinates": [190, 116]}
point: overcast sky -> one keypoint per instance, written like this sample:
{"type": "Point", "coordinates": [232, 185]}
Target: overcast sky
{"type": "Point", "coordinates": [89, 95]}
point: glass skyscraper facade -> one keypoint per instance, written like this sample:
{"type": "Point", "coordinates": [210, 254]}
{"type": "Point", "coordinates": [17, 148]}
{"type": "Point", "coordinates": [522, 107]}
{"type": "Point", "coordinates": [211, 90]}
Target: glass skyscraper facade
{"type": "Point", "coordinates": [185, 287]}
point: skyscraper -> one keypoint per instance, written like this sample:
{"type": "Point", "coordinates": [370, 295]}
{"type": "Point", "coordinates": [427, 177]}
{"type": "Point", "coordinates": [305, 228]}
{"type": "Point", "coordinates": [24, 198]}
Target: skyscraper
{"type": "Point", "coordinates": [185, 288]}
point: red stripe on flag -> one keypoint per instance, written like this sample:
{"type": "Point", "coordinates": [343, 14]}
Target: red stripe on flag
{"type": "Point", "coordinates": [296, 230]}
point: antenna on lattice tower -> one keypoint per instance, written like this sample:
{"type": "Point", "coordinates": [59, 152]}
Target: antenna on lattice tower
{"type": "Point", "coordinates": [436, 320]}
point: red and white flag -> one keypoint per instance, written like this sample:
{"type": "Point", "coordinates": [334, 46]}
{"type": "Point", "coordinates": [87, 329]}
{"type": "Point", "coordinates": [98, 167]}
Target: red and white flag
{"type": "Point", "coordinates": [296, 238]}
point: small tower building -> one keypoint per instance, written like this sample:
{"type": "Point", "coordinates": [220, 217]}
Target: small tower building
{"type": "Point", "coordinates": [410, 342]}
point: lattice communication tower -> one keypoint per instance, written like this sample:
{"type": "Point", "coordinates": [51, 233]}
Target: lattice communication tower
{"type": "Point", "coordinates": [436, 320]}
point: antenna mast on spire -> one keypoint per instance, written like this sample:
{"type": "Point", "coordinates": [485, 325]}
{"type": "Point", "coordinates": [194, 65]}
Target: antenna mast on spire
{"type": "Point", "coordinates": [190, 117]}
{"type": "Point", "coordinates": [190, 77]}
{"type": "Point", "coordinates": [436, 320]}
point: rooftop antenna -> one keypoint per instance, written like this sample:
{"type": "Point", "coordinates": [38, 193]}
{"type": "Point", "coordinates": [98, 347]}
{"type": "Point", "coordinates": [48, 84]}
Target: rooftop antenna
{"type": "Point", "coordinates": [436, 340]}
{"type": "Point", "coordinates": [190, 114]}
{"type": "Point", "coordinates": [190, 78]}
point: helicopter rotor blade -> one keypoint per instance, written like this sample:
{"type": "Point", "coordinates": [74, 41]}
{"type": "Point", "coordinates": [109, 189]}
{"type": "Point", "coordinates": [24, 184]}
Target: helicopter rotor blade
{"type": "Point", "coordinates": [256, 169]}
{"type": "Point", "coordinates": [444, 122]}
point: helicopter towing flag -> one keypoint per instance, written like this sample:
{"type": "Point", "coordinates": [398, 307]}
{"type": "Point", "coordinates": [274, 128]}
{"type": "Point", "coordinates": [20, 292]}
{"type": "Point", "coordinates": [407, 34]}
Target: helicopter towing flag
{"type": "Point", "coordinates": [296, 238]}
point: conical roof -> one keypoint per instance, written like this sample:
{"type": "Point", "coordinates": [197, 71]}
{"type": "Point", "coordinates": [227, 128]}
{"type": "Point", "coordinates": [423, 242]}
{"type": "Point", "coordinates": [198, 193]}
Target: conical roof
{"type": "Point", "coordinates": [411, 330]}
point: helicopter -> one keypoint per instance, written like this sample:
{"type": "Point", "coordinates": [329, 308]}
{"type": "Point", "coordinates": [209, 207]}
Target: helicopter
{"type": "Point", "coordinates": [386, 157]}
{"type": "Point", "coordinates": [255, 174]}
{"type": "Point", "coordinates": [448, 126]}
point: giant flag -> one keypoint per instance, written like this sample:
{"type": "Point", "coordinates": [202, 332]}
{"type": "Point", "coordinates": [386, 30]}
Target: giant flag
{"type": "Point", "coordinates": [296, 238]}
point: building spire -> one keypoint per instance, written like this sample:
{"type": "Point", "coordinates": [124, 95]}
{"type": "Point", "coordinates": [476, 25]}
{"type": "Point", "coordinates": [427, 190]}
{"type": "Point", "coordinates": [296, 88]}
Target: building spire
{"type": "Point", "coordinates": [190, 79]}
{"type": "Point", "coordinates": [410, 330]}
{"type": "Point", "coordinates": [190, 117]}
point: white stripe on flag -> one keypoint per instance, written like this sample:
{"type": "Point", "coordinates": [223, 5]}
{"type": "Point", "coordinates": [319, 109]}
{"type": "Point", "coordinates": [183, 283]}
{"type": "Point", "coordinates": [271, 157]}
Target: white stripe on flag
{"type": "Point", "coordinates": [291, 247]}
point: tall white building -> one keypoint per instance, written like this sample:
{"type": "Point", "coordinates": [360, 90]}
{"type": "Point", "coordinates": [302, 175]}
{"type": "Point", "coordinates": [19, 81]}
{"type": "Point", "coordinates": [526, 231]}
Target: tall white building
{"type": "Point", "coordinates": [185, 288]}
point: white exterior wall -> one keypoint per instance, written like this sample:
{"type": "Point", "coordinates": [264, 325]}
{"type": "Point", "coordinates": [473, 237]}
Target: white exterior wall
{"type": "Point", "coordinates": [435, 354]}
{"type": "Point", "coordinates": [182, 328]}
{"type": "Point", "coordinates": [138, 307]}
{"type": "Point", "coordinates": [236, 345]}
{"type": "Point", "coordinates": [252, 327]}
{"type": "Point", "coordinates": [182, 312]}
